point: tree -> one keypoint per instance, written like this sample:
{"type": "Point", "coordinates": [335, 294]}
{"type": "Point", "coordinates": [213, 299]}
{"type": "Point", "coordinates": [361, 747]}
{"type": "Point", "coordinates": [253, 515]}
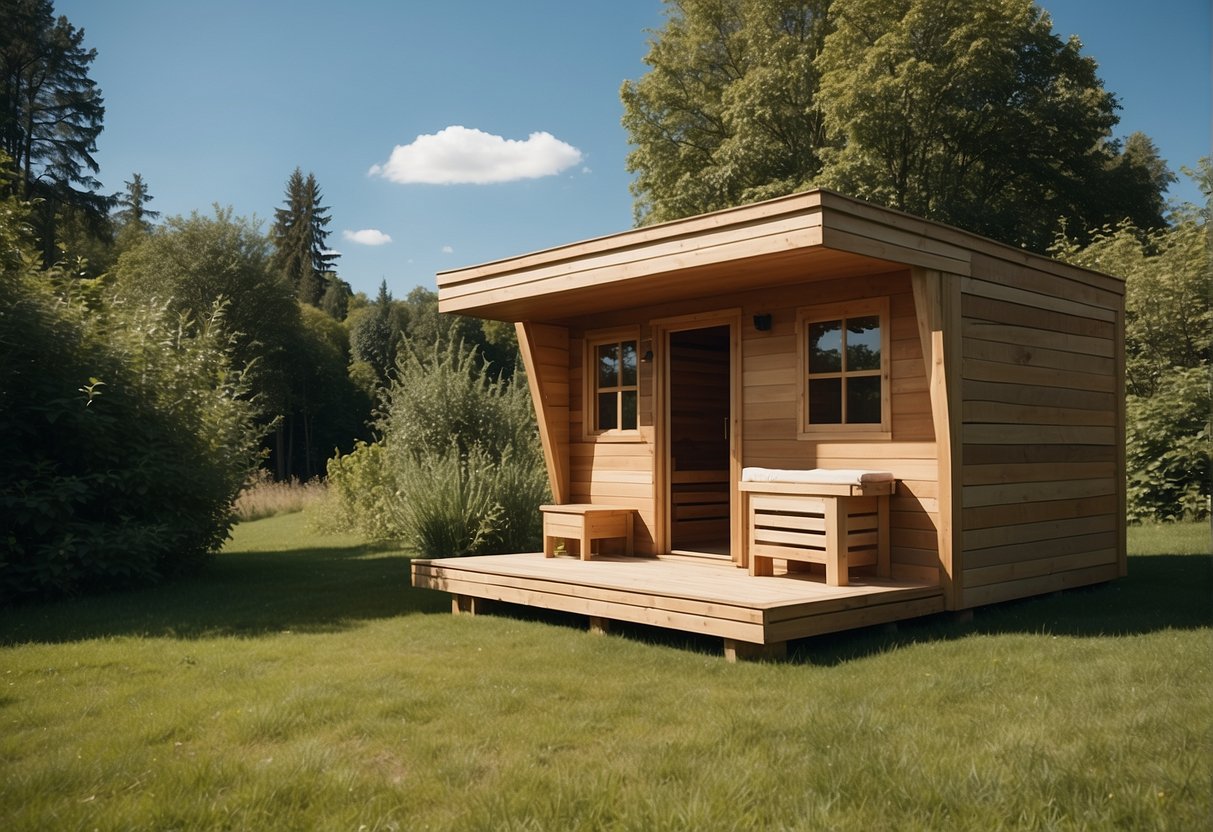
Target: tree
{"type": "Point", "coordinates": [336, 299]}
{"type": "Point", "coordinates": [132, 220]}
{"type": "Point", "coordinates": [728, 112]}
{"type": "Point", "coordinates": [325, 411]}
{"type": "Point", "coordinates": [51, 113]}
{"type": "Point", "coordinates": [193, 262]}
{"type": "Point", "coordinates": [1168, 343]}
{"type": "Point", "coordinates": [975, 114]}
{"type": "Point", "coordinates": [374, 337]}
{"type": "Point", "coordinates": [299, 236]}
{"type": "Point", "coordinates": [132, 204]}
{"type": "Point", "coordinates": [124, 428]}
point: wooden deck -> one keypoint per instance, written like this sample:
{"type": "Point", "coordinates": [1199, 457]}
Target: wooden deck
{"type": "Point", "coordinates": [754, 615]}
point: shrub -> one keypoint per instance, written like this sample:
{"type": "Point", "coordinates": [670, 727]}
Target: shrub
{"type": "Point", "coordinates": [459, 468]}
{"type": "Point", "coordinates": [359, 494]}
{"type": "Point", "coordinates": [1167, 443]}
{"type": "Point", "coordinates": [126, 435]}
{"type": "Point", "coordinates": [1168, 341]}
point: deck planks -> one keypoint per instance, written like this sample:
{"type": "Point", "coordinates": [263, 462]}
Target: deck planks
{"type": "Point", "coordinates": [715, 599]}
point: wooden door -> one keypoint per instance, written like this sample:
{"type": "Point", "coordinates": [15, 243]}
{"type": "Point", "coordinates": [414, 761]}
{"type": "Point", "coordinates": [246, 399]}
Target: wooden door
{"type": "Point", "coordinates": [699, 447]}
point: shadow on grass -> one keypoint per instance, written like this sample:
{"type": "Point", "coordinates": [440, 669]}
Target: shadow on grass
{"type": "Point", "coordinates": [1161, 592]}
{"type": "Point", "coordinates": [314, 589]}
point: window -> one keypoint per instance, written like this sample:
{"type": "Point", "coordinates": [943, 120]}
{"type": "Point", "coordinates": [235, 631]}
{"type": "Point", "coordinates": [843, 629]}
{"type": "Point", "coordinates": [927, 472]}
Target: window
{"type": "Point", "coordinates": [613, 394]}
{"type": "Point", "coordinates": [844, 357]}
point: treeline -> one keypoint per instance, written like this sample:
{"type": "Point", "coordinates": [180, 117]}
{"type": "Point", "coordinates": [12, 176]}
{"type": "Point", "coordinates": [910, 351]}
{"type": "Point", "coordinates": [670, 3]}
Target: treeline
{"type": "Point", "coordinates": [149, 366]}
{"type": "Point", "coordinates": [975, 114]}
{"type": "Point", "coordinates": [972, 113]}
{"type": "Point", "coordinates": [1168, 276]}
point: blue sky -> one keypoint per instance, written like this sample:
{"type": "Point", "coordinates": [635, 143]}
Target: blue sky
{"type": "Point", "coordinates": [218, 101]}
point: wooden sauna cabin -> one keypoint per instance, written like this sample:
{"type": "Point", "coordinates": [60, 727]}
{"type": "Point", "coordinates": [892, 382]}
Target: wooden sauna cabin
{"type": "Point", "coordinates": [811, 333]}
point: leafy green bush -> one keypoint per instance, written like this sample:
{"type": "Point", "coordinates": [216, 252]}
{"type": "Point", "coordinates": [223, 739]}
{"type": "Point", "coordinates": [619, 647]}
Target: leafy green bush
{"type": "Point", "coordinates": [459, 468]}
{"type": "Point", "coordinates": [125, 435]}
{"type": "Point", "coordinates": [360, 492]}
{"type": "Point", "coordinates": [1167, 443]}
{"type": "Point", "coordinates": [1168, 342]}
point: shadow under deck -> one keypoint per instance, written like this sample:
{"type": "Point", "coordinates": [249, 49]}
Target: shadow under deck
{"type": "Point", "coordinates": [754, 615]}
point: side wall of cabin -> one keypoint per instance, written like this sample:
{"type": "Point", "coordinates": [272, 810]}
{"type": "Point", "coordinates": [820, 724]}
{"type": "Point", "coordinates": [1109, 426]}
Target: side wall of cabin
{"type": "Point", "coordinates": [1041, 463]}
{"type": "Point", "coordinates": [625, 472]}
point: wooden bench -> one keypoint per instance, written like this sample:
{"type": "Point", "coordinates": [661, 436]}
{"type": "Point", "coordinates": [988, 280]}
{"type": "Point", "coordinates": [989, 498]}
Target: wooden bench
{"type": "Point", "coordinates": [839, 521]}
{"type": "Point", "coordinates": [586, 523]}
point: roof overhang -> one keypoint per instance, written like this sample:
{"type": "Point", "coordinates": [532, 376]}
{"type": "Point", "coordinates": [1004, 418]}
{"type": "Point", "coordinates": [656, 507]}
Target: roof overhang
{"type": "Point", "coordinates": [804, 237]}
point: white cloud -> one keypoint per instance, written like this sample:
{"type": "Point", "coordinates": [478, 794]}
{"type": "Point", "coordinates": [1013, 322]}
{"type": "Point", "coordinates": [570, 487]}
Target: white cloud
{"type": "Point", "coordinates": [459, 155]}
{"type": "Point", "coordinates": [367, 237]}
{"type": "Point", "coordinates": [448, 250]}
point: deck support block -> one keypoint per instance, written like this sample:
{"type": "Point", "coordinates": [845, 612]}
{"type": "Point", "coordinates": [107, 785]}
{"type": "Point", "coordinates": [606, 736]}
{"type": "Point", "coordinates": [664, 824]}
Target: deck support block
{"type": "Point", "coordinates": [599, 626]}
{"type": "Point", "coordinates": [735, 651]}
{"type": "Point", "coordinates": [963, 616]}
{"type": "Point", "coordinates": [466, 605]}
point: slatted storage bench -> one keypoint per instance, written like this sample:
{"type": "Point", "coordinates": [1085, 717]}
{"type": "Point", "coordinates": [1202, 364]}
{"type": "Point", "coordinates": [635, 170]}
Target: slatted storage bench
{"type": "Point", "coordinates": [839, 518]}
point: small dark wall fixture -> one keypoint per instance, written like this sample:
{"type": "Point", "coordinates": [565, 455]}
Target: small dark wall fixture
{"type": "Point", "coordinates": [762, 323]}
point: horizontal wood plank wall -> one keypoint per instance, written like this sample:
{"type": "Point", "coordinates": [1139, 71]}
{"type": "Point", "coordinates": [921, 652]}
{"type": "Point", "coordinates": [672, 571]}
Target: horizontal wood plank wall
{"type": "Point", "coordinates": [614, 472]}
{"type": "Point", "coordinates": [769, 396]}
{"type": "Point", "coordinates": [1042, 433]}
{"type": "Point", "coordinates": [771, 387]}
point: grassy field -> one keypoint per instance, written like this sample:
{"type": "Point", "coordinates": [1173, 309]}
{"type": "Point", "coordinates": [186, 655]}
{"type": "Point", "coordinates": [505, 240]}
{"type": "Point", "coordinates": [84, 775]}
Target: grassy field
{"type": "Point", "coordinates": [302, 684]}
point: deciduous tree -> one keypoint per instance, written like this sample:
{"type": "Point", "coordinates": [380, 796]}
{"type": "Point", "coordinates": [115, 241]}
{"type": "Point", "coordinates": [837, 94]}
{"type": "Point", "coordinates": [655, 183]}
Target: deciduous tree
{"type": "Point", "coordinates": [1168, 343]}
{"type": "Point", "coordinates": [972, 113]}
{"type": "Point", "coordinates": [975, 114]}
{"type": "Point", "coordinates": [193, 262]}
{"type": "Point", "coordinates": [728, 111]}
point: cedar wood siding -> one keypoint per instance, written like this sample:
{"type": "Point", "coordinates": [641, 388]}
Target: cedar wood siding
{"type": "Point", "coordinates": [1042, 473]}
{"type": "Point", "coordinates": [623, 472]}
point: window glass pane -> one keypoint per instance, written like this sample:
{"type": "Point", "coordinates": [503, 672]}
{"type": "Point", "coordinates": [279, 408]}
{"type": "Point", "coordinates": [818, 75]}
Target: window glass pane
{"type": "Point", "coordinates": [629, 410]}
{"type": "Point", "coordinates": [863, 343]}
{"type": "Point", "coordinates": [629, 364]}
{"type": "Point", "coordinates": [608, 419]}
{"type": "Point", "coordinates": [825, 401]}
{"type": "Point", "coordinates": [608, 365]}
{"type": "Point", "coordinates": [863, 400]}
{"type": "Point", "coordinates": [825, 347]}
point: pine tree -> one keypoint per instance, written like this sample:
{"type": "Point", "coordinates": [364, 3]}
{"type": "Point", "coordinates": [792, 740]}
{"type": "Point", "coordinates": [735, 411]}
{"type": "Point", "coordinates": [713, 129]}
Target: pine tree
{"type": "Point", "coordinates": [300, 236]}
{"type": "Point", "coordinates": [133, 204]}
{"type": "Point", "coordinates": [51, 113]}
{"type": "Point", "coordinates": [375, 336]}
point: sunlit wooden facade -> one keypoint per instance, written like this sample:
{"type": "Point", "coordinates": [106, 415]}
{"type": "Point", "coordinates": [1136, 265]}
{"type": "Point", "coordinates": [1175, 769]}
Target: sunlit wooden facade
{"type": "Point", "coordinates": [818, 331]}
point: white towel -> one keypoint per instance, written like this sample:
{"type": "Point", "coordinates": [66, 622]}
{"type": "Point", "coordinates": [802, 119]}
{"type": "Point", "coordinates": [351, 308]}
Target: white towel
{"type": "Point", "coordinates": [819, 476]}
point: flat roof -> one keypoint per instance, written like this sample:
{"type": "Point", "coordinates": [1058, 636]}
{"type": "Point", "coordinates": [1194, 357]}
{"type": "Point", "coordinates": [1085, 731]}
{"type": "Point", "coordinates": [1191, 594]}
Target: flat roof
{"type": "Point", "coordinates": [813, 235]}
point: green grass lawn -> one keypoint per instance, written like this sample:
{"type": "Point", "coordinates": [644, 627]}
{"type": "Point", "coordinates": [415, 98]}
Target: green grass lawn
{"type": "Point", "coordinates": [302, 684]}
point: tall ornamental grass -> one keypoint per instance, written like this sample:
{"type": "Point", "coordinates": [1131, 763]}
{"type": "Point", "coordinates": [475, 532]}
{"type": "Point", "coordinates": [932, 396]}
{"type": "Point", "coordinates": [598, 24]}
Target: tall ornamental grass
{"type": "Point", "coordinates": [263, 496]}
{"type": "Point", "coordinates": [458, 470]}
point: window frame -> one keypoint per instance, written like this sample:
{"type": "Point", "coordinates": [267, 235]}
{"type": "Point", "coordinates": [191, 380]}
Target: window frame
{"type": "Point", "coordinates": [860, 308]}
{"type": "Point", "coordinates": [590, 389]}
